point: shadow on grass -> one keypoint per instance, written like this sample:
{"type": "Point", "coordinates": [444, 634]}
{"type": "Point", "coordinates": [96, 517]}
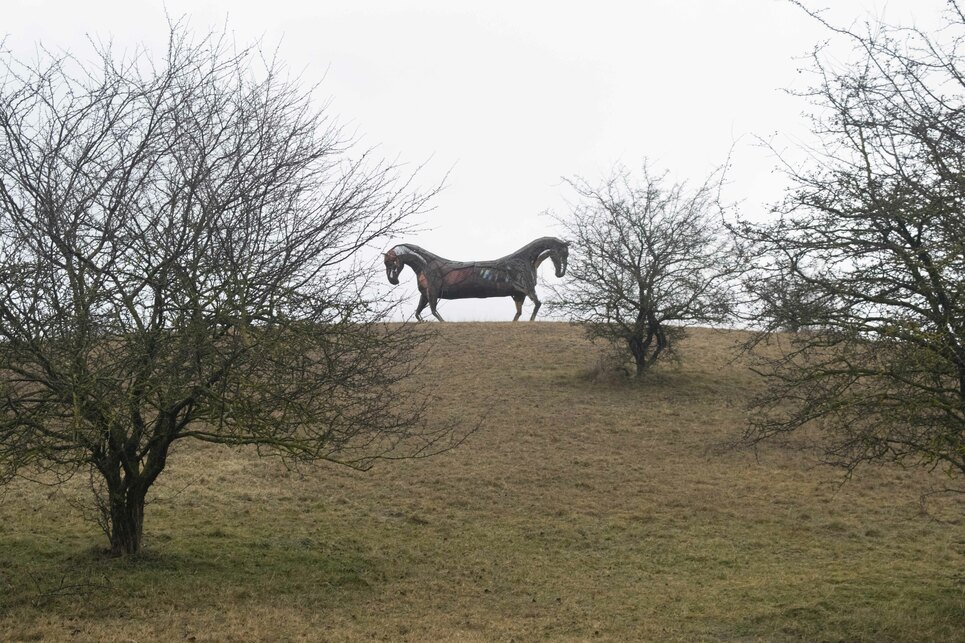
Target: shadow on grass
{"type": "Point", "coordinates": [213, 568]}
{"type": "Point", "coordinates": [865, 613]}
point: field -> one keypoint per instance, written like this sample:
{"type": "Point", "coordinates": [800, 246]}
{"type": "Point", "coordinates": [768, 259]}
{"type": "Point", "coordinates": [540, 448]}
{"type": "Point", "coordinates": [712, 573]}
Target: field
{"type": "Point", "coordinates": [583, 508]}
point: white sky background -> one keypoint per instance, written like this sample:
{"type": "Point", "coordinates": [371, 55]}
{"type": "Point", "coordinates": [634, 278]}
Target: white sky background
{"type": "Point", "coordinates": [510, 96]}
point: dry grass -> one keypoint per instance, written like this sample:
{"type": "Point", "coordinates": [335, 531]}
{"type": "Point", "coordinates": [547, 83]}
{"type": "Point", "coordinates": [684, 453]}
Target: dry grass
{"type": "Point", "coordinates": [584, 508]}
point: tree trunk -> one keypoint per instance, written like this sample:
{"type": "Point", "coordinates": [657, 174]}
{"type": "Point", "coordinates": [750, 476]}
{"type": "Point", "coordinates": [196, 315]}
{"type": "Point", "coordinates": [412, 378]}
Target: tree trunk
{"type": "Point", "coordinates": [662, 342]}
{"type": "Point", "coordinates": [126, 520]}
{"type": "Point", "coordinates": [642, 363]}
{"type": "Point", "coordinates": [638, 348]}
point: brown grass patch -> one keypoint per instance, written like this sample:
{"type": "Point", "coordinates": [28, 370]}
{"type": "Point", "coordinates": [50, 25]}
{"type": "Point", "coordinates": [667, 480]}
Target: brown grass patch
{"type": "Point", "coordinates": [580, 510]}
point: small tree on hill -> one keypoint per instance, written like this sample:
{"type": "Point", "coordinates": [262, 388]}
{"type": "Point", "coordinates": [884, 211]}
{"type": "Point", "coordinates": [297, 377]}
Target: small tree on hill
{"type": "Point", "coordinates": [177, 260]}
{"type": "Point", "coordinates": [646, 258]}
{"type": "Point", "coordinates": [785, 302]}
{"type": "Point", "coordinates": [874, 233]}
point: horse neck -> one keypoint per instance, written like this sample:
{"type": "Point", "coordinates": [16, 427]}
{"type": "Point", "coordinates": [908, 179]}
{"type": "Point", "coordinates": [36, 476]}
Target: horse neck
{"type": "Point", "coordinates": [537, 251]}
{"type": "Point", "coordinates": [414, 257]}
{"type": "Point", "coordinates": [543, 256]}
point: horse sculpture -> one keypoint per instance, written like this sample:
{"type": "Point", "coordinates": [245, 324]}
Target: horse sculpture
{"type": "Point", "coordinates": [511, 276]}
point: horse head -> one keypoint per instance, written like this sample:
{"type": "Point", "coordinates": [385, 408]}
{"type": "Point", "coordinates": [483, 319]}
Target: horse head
{"type": "Point", "coordinates": [393, 266]}
{"type": "Point", "coordinates": [559, 257]}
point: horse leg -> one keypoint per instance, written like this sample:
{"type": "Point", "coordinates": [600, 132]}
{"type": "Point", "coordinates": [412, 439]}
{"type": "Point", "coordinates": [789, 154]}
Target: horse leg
{"type": "Point", "coordinates": [432, 306]}
{"type": "Point", "coordinates": [423, 301]}
{"type": "Point", "coordinates": [536, 304]}
{"type": "Point", "coordinates": [519, 305]}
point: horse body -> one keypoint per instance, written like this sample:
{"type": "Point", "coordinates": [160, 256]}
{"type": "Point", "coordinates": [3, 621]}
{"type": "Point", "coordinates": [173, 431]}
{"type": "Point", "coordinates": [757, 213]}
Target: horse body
{"type": "Point", "coordinates": [511, 276]}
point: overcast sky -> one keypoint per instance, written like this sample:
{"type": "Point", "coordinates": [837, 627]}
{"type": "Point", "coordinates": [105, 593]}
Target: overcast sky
{"type": "Point", "coordinates": [508, 97]}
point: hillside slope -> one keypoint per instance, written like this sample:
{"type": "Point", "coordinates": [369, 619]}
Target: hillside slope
{"type": "Point", "coordinates": [584, 507]}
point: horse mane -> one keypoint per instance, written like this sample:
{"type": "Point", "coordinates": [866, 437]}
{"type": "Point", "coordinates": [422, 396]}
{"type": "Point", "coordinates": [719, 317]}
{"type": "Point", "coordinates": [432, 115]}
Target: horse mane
{"type": "Point", "coordinates": [535, 244]}
{"type": "Point", "coordinates": [537, 248]}
{"type": "Point", "coordinates": [416, 250]}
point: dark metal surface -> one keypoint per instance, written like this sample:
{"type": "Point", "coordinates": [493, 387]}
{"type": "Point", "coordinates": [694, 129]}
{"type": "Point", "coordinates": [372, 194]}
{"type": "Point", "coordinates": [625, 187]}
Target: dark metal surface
{"type": "Point", "coordinates": [511, 276]}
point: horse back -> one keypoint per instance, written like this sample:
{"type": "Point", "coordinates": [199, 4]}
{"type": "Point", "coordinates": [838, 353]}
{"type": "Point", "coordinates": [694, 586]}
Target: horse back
{"type": "Point", "coordinates": [481, 279]}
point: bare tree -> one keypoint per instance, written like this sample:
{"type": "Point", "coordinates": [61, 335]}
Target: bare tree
{"type": "Point", "coordinates": [783, 302]}
{"type": "Point", "coordinates": [178, 259]}
{"type": "Point", "coordinates": [873, 232]}
{"type": "Point", "coordinates": [647, 259]}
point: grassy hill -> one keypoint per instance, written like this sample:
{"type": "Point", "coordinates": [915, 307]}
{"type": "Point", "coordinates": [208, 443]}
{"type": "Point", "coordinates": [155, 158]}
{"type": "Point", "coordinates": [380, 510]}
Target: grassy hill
{"type": "Point", "coordinates": [584, 508]}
